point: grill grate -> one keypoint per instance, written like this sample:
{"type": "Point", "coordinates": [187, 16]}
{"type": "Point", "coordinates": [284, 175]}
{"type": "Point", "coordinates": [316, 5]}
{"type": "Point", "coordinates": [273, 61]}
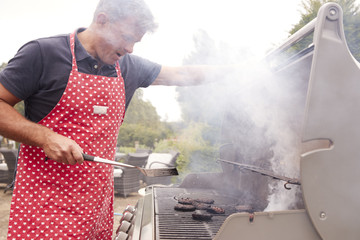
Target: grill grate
{"type": "Point", "coordinates": [172, 224]}
{"type": "Point", "coordinates": [184, 227]}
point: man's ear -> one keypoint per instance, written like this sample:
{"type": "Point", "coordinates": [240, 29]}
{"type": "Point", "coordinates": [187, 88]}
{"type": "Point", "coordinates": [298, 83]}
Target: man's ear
{"type": "Point", "coordinates": [101, 18]}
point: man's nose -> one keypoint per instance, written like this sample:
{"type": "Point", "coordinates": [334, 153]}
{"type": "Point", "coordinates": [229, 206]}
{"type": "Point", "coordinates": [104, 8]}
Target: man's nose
{"type": "Point", "coordinates": [129, 48]}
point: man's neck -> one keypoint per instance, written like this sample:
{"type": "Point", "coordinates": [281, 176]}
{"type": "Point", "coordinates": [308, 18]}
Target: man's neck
{"type": "Point", "coordinates": [86, 39]}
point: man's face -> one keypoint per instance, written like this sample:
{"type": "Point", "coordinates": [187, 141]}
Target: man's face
{"type": "Point", "coordinates": [116, 39]}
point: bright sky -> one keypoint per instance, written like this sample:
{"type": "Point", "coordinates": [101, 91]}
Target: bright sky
{"type": "Point", "coordinates": [253, 25]}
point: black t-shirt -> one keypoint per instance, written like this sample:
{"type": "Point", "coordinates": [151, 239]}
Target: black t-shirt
{"type": "Point", "coordinates": [39, 72]}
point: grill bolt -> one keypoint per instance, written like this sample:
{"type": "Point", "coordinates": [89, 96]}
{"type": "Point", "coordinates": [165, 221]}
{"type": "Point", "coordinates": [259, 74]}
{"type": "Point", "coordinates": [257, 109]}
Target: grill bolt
{"type": "Point", "coordinates": [251, 217]}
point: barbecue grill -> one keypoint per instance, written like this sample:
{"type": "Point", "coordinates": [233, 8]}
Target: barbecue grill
{"type": "Point", "coordinates": [328, 206]}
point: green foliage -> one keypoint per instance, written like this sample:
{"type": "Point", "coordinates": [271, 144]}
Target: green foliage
{"type": "Point", "coordinates": [126, 150]}
{"type": "Point", "coordinates": [20, 108]}
{"type": "Point", "coordinates": [2, 66]}
{"type": "Point", "coordinates": [142, 124]}
{"type": "Point", "coordinates": [140, 111]}
{"type": "Point", "coordinates": [351, 23]}
{"type": "Point", "coordinates": [130, 133]}
{"type": "Point", "coordinates": [197, 154]}
{"type": "Point", "coordinates": [196, 148]}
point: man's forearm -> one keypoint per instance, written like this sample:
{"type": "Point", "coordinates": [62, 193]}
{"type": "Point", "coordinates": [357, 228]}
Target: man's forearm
{"type": "Point", "coordinates": [57, 147]}
{"type": "Point", "coordinates": [193, 74]}
{"type": "Point", "coordinates": [14, 126]}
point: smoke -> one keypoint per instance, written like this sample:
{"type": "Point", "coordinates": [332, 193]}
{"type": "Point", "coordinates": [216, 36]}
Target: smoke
{"type": "Point", "coordinates": [275, 103]}
{"type": "Point", "coordinates": [266, 112]}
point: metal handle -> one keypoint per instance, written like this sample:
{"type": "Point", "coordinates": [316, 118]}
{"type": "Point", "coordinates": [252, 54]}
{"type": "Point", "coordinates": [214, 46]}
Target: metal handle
{"type": "Point", "coordinates": [106, 161]}
{"type": "Point", "coordinates": [85, 156]}
{"type": "Point", "coordinates": [88, 157]}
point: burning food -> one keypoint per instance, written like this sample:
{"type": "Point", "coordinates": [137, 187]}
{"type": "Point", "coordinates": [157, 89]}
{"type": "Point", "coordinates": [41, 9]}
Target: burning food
{"type": "Point", "coordinates": [202, 216]}
{"type": "Point", "coordinates": [187, 201]}
{"type": "Point", "coordinates": [190, 204]}
{"type": "Point", "coordinates": [205, 200]}
{"type": "Point", "coordinates": [216, 210]}
{"type": "Point", "coordinates": [184, 207]}
{"type": "Point", "coordinates": [201, 206]}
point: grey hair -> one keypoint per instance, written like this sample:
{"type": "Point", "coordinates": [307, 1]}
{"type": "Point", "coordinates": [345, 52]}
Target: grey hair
{"type": "Point", "coordinates": [120, 9]}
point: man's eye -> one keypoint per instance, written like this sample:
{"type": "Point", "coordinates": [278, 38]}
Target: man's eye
{"type": "Point", "coordinates": [127, 38]}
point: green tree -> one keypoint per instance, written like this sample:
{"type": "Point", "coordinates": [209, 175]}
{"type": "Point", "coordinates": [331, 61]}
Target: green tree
{"type": "Point", "coordinates": [140, 111]}
{"type": "Point", "coordinates": [197, 154]}
{"type": "Point", "coordinates": [142, 124]}
{"type": "Point", "coordinates": [351, 22]}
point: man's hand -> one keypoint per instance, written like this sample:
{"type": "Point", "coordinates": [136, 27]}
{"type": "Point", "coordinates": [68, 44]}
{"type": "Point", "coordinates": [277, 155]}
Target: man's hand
{"type": "Point", "coordinates": [62, 149]}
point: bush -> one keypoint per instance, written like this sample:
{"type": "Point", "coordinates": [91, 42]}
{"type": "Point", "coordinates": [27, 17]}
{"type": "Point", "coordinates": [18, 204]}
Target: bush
{"type": "Point", "coordinates": [196, 153]}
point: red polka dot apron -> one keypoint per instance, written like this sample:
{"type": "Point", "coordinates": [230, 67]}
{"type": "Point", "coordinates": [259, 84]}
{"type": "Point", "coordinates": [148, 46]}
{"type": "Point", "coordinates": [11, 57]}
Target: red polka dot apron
{"type": "Point", "coordinates": [58, 201]}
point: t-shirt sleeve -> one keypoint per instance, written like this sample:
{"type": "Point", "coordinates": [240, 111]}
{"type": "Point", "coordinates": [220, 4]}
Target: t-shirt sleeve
{"type": "Point", "coordinates": [22, 74]}
{"type": "Point", "coordinates": [137, 72]}
{"type": "Point", "coordinates": [140, 70]}
{"type": "Point", "coordinates": [149, 71]}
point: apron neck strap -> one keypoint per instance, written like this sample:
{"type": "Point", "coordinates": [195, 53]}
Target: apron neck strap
{"type": "Point", "coordinates": [74, 64]}
{"type": "Point", "coordinates": [72, 48]}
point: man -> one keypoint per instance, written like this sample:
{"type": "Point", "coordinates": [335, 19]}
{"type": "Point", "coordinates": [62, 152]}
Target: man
{"type": "Point", "coordinates": [76, 88]}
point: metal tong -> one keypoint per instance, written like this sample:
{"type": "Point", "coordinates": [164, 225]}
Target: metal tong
{"type": "Point", "coordinates": [156, 172]}
{"type": "Point", "coordinates": [265, 172]}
